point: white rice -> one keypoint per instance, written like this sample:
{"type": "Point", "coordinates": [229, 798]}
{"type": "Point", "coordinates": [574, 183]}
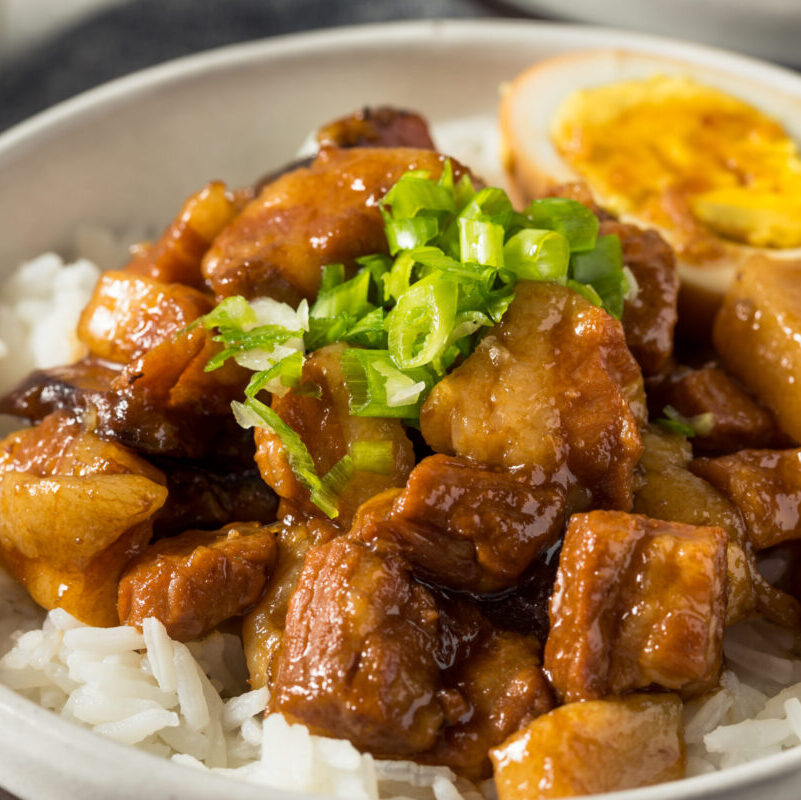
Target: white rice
{"type": "Point", "coordinates": [190, 703]}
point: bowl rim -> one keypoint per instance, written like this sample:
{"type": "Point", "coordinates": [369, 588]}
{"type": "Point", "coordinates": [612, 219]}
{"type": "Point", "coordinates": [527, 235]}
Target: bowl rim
{"type": "Point", "coordinates": [39, 128]}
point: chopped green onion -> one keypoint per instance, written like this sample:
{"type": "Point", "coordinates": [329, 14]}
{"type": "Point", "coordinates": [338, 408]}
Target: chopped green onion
{"type": "Point", "coordinates": [569, 217]}
{"type": "Point", "coordinates": [414, 193]}
{"type": "Point", "coordinates": [348, 297]}
{"type": "Point", "coordinates": [377, 388]}
{"type": "Point", "coordinates": [537, 255]}
{"type": "Point", "coordinates": [333, 275]}
{"type": "Point", "coordinates": [278, 379]}
{"type": "Point", "coordinates": [602, 268]}
{"type": "Point", "coordinates": [232, 312]}
{"type": "Point", "coordinates": [419, 326]}
{"type": "Point", "coordinates": [373, 455]}
{"type": "Point", "coordinates": [406, 234]}
{"type": "Point", "coordinates": [254, 413]}
{"type": "Point", "coordinates": [674, 421]}
{"type": "Point", "coordinates": [587, 292]}
{"type": "Point", "coordinates": [481, 242]}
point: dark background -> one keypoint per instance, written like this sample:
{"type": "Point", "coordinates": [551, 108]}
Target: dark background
{"type": "Point", "coordinates": [139, 34]}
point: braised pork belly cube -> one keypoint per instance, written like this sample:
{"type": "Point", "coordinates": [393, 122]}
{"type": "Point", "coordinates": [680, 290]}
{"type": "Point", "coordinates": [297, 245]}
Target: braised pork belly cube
{"type": "Point", "coordinates": [498, 689]}
{"type": "Point", "coordinates": [638, 602]}
{"type": "Point", "coordinates": [593, 747]}
{"type": "Point", "coordinates": [329, 430]}
{"type": "Point", "coordinates": [667, 490]}
{"type": "Point", "coordinates": [650, 316]}
{"type": "Point", "coordinates": [176, 256]}
{"type": "Point", "coordinates": [464, 526]}
{"type": "Point", "coordinates": [358, 657]}
{"type": "Point", "coordinates": [263, 626]}
{"type": "Point", "coordinates": [552, 386]}
{"type": "Point", "coordinates": [757, 333]}
{"type": "Point", "coordinates": [738, 421]}
{"type": "Point", "coordinates": [196, 580]}
{"type": "Point", "coordinates": [322, 214]}
{"type": "Point", "coordinates": [377, 127]}
{"type": "Point", "coordinates": [128, 315]}
{"type": "Point", "coordinates": [74, 510]}
{"type": "Point", "coordinates": [765, 485]}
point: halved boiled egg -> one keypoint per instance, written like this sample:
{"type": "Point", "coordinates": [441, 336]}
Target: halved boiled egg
{"type": "Point", "coordinates": [707, 158]}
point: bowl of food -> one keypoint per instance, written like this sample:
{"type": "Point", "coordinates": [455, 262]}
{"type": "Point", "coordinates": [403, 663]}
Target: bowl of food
{"type": "Point", "coordinates": [374, 469]}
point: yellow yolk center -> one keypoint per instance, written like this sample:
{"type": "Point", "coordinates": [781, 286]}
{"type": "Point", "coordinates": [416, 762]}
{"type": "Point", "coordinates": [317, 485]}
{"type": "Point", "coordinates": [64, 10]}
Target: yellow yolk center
{"type": "Point", "coordinates": [686, 157]}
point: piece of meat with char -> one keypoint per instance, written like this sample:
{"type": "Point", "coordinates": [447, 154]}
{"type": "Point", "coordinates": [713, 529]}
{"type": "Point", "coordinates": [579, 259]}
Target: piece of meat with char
{"type": "Point", "coordinates": [383, 126]}
{"type": "Point", "coordinates": [322, 214]}
{"type": "Point", "coordinates": [196, 580]}
{"type": "Point", "coordinates": [552, 385]}
{"type": "Point", "coordinates": [465, 526]}
{"type": "Point", "coordinates": [638, 602]}
{"type": "Point", "coordinates": [329, 430]}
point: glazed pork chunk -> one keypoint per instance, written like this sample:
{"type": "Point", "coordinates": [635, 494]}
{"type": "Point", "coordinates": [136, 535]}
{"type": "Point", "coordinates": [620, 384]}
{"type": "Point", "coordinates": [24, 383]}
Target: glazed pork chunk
{"type": "Point", "coordinates": [359, 653]}
{"type": "Point", "coordinates": [593, 747]}
{"type": "Point", "coordinates": [329, 430]}
{"type": "Point", "coordinates": [637, 603]}
{"type": "Point", "coordinates": [322, 214]}
{"type": "Point", "coordinates": [551, 387]}
{"type": "Point", "coordinates": [765, 485]}
{"type": "Point", "coordinates": [73, 511]}
{"type": "Point", "coordinates": [196, 580]}
{"type": "Point", "coordinates": [465, 526]}
{"type": "Point", "coordinates": [373, 656]}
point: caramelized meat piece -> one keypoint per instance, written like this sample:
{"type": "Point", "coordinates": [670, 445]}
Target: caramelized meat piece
{"type": "Point", "coordinates": [210, 498]}
{"type": "Point", "coordinates": [143, 420]}
{"type": "Point", "coordinates": [669, 491]}
{"type": "Point", "coordinates": [758, 335]}
{"type": "Point", "coordinates": [198, 579]}
{"type": "Point", "coordinates": [468, 527]}
{"type": "Point", "coordinates": [175, 257]}
{"type": "Point", "coordinates": [357, 660]}
{"type": "Point", "coordinates": [552, 384]}
{"type": "Point", "coordinates": [648, 319]}
{"type": "Point", "coordinates": [765, 485]}
{"type": "Point", "coordinates": [594, 747]}
{"type": "Point", "coordinates": [377, 127]}
{"type": "Point", "coordinates": [73, 511]}
{"type": "Point", "coordinates": [502, 688]}
{"type": "Point", "coordinates": [263, 627]}
{"type": "Point", "coordinates": [637, 602]}
{"type": "Point", "coordinates": [328, 430]}
{"type": "Point", "coordinates": [326, 213]}
{"type": "Point", "coordinates": [738, 420]}
{"type": "Point", "coordinates": [129, 315]}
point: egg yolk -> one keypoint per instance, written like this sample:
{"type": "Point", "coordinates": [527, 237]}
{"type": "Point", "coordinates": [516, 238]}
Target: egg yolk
{"type": "Point", "coordinates": [685, 157]}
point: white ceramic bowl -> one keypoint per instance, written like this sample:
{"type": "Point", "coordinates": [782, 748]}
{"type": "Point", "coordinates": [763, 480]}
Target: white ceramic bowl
{"type": "Point", "coordinates": [126, 155]}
